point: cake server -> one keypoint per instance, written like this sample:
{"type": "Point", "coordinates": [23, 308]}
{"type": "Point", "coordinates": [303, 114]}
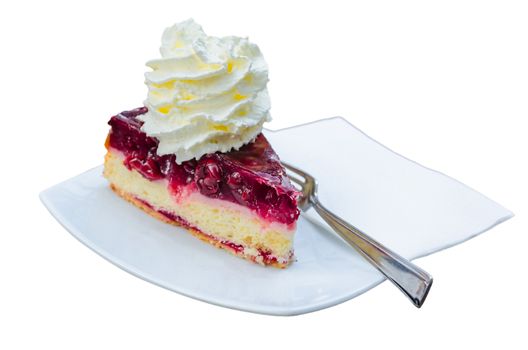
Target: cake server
{"type": "Point", "coordinates": [409, 278]}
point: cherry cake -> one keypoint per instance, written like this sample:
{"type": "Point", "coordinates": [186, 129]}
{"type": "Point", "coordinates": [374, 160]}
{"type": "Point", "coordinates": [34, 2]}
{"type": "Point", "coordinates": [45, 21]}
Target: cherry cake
{"type": "Point", "coordinates": [241, 200]}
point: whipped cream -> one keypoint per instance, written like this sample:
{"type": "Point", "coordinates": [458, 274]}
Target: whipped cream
{"type": "Point", "coordinates": [205, 94]}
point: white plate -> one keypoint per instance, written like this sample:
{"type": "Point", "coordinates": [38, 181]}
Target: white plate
{"type": "Point", "coordinates": [411, 209]}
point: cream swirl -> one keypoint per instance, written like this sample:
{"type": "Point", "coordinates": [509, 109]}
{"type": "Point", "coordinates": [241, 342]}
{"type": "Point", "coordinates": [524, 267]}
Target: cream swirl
{"type": "Point", "coordinates": [205, 94]}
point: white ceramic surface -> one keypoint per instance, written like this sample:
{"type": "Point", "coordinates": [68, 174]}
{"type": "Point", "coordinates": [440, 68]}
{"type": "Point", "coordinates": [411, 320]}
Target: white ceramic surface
{"type": "Point", "coordinates": [413, 210]}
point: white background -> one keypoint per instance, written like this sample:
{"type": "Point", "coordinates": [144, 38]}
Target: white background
{"type": "Point", "coordinates": [444, 83]}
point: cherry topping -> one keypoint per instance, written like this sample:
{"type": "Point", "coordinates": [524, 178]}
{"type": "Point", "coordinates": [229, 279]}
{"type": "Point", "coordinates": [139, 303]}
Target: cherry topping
{"type": "Point", "coordinates": [234, 181]}
{"type": "Point", "coordinates": [251, 176]}
{"type": "Point", "coordinates": [208, 176]}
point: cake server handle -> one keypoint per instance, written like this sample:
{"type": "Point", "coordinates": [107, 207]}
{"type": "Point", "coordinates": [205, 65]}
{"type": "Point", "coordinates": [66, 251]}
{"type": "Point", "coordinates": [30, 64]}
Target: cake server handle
{"type": "Point", "coordinates": [409, 278]}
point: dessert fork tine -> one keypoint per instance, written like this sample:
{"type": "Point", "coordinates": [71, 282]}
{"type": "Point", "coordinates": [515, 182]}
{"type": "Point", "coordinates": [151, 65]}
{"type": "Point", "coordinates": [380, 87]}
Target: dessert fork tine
{"type": "Point", "coordinates": [409, 278]}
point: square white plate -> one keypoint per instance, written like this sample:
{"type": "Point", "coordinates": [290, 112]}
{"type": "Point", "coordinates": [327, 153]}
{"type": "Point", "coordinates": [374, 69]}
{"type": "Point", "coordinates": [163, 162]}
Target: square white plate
{"type": "Point", "coordinates": [413, 210]}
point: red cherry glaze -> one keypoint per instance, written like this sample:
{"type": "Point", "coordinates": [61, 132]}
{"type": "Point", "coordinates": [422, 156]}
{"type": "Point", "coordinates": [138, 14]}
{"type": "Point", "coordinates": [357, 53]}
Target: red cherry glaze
{"type": "Point", "coordinates": [267, 257]}
{"type": "Point", "coordinates": [251, 176]}
{"type": "Point", "coordinates": [237, 248]}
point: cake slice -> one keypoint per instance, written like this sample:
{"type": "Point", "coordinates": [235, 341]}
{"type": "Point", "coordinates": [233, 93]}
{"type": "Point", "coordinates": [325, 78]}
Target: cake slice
{"type": "Point", "coordinates": [240, 200]}
{"type": "Point", "coordinates": [195, 154]}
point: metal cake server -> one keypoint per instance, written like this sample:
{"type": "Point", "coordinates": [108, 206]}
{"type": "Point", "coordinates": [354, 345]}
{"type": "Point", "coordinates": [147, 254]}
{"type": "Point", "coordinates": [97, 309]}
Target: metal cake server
{"type": "Point", "coordinates": [409, 278]}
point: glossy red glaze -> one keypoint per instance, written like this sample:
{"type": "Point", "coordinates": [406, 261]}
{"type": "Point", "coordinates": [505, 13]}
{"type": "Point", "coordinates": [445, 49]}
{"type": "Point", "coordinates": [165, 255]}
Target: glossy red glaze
{"type": "Point", "coordinates": [251, 176]}
{"type": "Point", "coordinates": [267, 257]}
